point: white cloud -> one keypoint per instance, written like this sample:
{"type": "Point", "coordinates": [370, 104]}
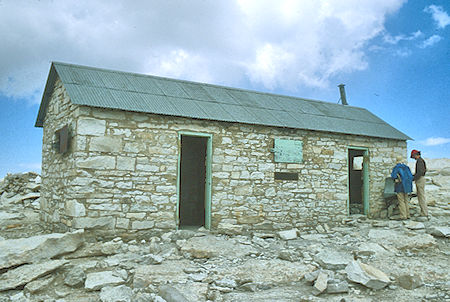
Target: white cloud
{"type": "Point", "coordinates": [430, 41]}
{"type": "Point", "coordinates": [439, 15]}
{"type": "Point", "coordinates": [396, 39]}
{"type": "Point", "coordinates": [275, 43]}
{"type": "Point", "coordinates": [404, 52]}
{"type": "Point", "coordinates": [435, 141]}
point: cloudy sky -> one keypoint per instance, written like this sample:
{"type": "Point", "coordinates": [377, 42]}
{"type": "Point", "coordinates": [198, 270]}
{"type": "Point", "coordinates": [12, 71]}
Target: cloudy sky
{"type": "Point", "coordinates": [393, 55]}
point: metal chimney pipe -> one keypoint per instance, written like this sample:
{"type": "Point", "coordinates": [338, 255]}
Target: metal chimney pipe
{"type": "Point", "coordinates": [342, 92]}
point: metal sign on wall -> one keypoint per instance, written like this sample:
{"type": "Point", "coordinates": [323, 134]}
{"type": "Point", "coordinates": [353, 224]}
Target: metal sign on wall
{"type": "Point", "coordinates": [288, 151]}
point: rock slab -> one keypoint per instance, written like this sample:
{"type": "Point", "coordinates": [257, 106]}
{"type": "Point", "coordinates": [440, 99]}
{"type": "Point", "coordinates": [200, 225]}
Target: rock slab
{"type": "Point", "coordinates": [366, 275]}
{"type": "Point", "coordinates": [96, 281]}
{"type": "Point", "coordinates": [24, 274]}
{"type": "Point", "coordinates": [119, 293]}
{"type": "Point", "coordinates": [14, 252]}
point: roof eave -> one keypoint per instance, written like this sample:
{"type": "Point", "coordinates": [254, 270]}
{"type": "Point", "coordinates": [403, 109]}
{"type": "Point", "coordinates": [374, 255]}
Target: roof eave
{"type": "Point", "coordinates": [49, 86]}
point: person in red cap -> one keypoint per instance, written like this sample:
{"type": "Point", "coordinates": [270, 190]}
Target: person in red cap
{"type": "Point", "coordinates": [419, 179]}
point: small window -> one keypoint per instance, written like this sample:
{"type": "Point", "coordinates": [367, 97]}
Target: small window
{"type": "Point", "coordinates": [62, 139]}
{"type": "Point", "coordinates": [286, 176]}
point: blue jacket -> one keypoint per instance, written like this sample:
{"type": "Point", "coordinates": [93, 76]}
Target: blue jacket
{"type": "Point", "coordinates": [405, 186]}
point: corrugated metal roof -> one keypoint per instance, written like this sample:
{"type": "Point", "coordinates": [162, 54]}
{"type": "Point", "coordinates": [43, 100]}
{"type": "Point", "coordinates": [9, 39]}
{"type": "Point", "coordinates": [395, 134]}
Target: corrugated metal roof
{"type": "Point", "coordinates": [142, 93]}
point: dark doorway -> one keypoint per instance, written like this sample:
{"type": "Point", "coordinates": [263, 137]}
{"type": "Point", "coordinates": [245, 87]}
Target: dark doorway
{"type": "Point", "coordinates": [192, 181]}
{"type": "Point", "coordinates": [356, 181]}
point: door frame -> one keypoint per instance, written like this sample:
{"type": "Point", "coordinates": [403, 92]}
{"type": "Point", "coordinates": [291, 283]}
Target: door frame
{"type": "Point", "coordinates": [366, 187]}
{"type": "Point", "coordinates": [208, 177]}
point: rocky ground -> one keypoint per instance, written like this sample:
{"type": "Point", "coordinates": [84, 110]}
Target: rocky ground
{"type": "Point", "coordinates": [358, 260]}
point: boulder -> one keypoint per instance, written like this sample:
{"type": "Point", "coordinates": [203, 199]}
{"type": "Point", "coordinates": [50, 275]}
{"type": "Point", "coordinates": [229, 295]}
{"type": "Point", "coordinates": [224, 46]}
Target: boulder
{"type": "Point", "coordinates": [26, 273]}
{"type": "Point", "coordinates": [409, 281]}
{"type": "Point", "coordinates": [75, 277]}
{"type": "Point", "coordinates": [366, 275]}
{"type": "Point", "coordinates": [119, 293]}
{"type": "Point", "coordinates": [96, 281]}
{"type": "Point", "coordinates": [14, 252]}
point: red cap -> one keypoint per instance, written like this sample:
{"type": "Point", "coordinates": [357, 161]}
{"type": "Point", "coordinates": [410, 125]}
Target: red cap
{"type": "Point", "coordinates": [413, 152]}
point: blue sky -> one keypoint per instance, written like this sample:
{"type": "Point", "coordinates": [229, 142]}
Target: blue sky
{"type": "Point", "coordinates": [393, 56]}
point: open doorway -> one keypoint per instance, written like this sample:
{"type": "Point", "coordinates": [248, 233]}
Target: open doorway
{"type": "Point", "coordinates": [193, 182]}
{"type": "Point", "coordinates": [358, 182]}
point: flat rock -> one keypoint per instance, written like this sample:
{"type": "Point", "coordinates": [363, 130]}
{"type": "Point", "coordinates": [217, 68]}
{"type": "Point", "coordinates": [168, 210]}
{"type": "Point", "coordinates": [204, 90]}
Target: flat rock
{"type": "Point", "coordinates": [337, 287]}
{"type": "Point", "coordinates": [119, 293]}
{"type": "Point", "coordinates": [440, 231]}
{"type": "Point", "coordinates": [39, 284]}
{"type": "Point", "coordinates": [333, 259]}
{"type": "Point", "coordinates": [96, 281]}
{"type": "Point", "coordinates": [14, 252]}
{"type": "Point", "coordinates": [10, 216]}
{"type": "Point", "coordinates": [366, 275]}
{"type": "Point", "coordinates": [212, 246]}
{"type": "Point", "coordinates": [26, 273]}
{"type": "Point", "coordinates": [284, 294]}
{"type": "Point", "coordinates": [20, 198]}
{"type": "Point", "coordinates": [160, 273]}
{"type": "Point", "coordinates": [414, 225]}
{"type": "Point", "coordinates": [262, 271]}
{"type": "Point", "coordinates": [171, 294]}
{"type": "Point", "coordinates": [368, 249]}
{"type": "Point", "coordinates": [321, 282]}
{"type": "Point", "coordinates": [420, 241]}
{"type": "Point", "coordinates": [384, 234]}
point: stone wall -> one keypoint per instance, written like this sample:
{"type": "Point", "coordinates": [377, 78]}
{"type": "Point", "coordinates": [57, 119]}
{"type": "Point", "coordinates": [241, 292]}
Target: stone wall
{"type": "Point", "coordinates": [121, 172]}
{"type": "Point", "coordinates": [56, 167]}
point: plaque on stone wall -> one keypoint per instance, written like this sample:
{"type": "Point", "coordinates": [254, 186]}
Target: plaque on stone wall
{"type": "Point", "coordinates": [288, 151]}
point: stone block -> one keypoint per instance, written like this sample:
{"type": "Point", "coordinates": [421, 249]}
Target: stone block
{"type": "Point", "coordinates": [288, 234]}
{"type": "Point", "coordinates": [106, 144]}
{"type": "Point", "coordinates": [142, 225]}
{"type": "Point", "coordinates": [230, 229]}
{"type": "Point", "coordinates": [122, 223]}
{"type": "Point", "coordinates": [97, 162]}
{"type": "Point", "coordinates": [75, 209]}
{"type": "Point", "coordinates": [91, 126]}
{"type": "Point", "coordinates": [93, 222]}
{"type": "Point", "coordinates": [126, 163]}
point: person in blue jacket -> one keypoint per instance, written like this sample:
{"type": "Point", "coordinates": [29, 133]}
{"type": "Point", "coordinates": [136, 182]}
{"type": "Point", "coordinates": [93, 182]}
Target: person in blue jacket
{"type": "Point", "coordinates": [402, 176]}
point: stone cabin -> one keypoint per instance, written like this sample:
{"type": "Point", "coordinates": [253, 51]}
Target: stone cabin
{"type": "Point", "coordinates": [124, 151]}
